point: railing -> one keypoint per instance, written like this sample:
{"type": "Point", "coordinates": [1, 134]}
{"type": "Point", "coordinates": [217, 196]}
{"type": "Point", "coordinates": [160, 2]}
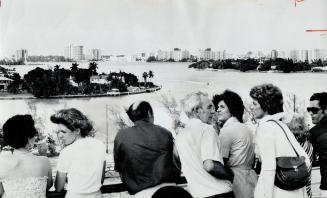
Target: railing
{"type": "Point", "coordinates": [107, 189]}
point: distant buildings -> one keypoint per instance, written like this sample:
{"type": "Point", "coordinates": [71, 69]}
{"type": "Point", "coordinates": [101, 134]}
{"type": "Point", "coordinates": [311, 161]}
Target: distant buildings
{"type": "Point", "coordinates": [21, 55]}
{"type": "Point", "coordinates": [74, 52]}
{"type": "Point", "coordinates": [274, 54]}
{"type": "Point", "coordinates": [4, 82]}
{"type": "Point", "coordinates": [177, 55]}
{"type": "Point", "coordinates": [96, 54]}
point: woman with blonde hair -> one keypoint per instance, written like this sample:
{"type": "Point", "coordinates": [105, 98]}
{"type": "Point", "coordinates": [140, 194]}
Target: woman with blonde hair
{"type": "Point", "coordinates": [300, 128]}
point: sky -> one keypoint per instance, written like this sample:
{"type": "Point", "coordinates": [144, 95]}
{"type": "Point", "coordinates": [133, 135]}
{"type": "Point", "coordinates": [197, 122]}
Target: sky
{"type": "Point", "coordinates": [45, 27]}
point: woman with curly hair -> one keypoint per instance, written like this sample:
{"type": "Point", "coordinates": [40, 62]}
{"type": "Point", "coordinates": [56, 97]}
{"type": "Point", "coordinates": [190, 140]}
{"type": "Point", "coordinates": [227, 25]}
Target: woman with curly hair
{"type": "Point", "coordinates": [82, 160]}
{"type": "Point", "coordinates": [236, 142]}
{"type": "Point", "coordinates": [271, 140]}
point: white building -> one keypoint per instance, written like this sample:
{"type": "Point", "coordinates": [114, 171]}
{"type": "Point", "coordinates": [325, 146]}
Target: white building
{"type": "Point", "coordinates": [74, 52]}
{"type": "Point", "coordinates": [4, 82]}
{"type": "Point", "coordinates": [21, 54]}
{"type": "Point", "coordinates": [274, 54]}
{"type": "Point", "coordinates": [96, 54]}
{"type": "Point", "coordinates": [177, 54]}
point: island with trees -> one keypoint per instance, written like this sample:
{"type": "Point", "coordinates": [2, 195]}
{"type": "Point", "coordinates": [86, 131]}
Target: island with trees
{"type": "Point", "coordinates": [278, 64]}
{"type": "Point", "coordinates": [79, 82]}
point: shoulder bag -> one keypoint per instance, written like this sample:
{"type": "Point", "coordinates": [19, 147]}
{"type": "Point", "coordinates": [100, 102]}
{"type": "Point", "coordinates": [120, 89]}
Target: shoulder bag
{"type": "Point", "coordinates": [291, 172]}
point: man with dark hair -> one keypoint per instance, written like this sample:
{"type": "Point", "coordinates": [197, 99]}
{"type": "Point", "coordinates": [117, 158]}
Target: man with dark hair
{"type": "Point", "coordinates": [318, 134]}
{"type": "Point", "coordinates": [143, 153]}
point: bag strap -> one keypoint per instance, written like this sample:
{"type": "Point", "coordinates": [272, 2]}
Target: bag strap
{"type": "Point", "coordinates": [285, 135]}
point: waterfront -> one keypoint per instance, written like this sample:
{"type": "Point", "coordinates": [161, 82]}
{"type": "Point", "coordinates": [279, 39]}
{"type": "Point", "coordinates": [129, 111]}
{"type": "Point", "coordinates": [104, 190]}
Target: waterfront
{"type": "Point", "coordinates": [176, 80]}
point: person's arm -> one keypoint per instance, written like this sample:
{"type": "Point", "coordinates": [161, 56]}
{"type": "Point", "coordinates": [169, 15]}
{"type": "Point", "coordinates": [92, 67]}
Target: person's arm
{"type": "Point", "coordinates": [218, 170]}
{"type": "Point", "coordinates": [47, 165]}
{"type": "Point", "coordinates": [103, 172]}
{"type": "Point", "coordinates": [49, 181]}
{"type": "Point", "coordinates": [1, 190]}
{"type": "Point", "coordinates": [60, 181]}
{"type": "Point", "coordinates": [266, 145]}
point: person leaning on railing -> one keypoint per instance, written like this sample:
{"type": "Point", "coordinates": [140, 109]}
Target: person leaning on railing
{"type": "Point", "coordinates": [82, 160]}
{"type": "Point", "coordinates": [22, 174]}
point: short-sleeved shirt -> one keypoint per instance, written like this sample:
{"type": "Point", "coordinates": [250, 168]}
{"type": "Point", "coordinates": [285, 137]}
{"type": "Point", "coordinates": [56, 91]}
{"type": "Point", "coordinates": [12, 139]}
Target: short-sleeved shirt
{"type": "Point", "coordinates": [83, 163]}
{"type": "Point", "coordinates": [143, 156]}
{"type": "Point", "coordinates": [196, 143]}
{"type": "Point", "coordinates": [237, 143]}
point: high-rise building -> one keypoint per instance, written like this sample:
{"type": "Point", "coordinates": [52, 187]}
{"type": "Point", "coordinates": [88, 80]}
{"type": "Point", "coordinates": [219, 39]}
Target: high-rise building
{"type": "Point", "coordinates": [304, 55]}
{"type": "Point", "coordinates": [21, 54]}
{"type": "Point", "coordinates": [177, 54]}
{"type": "Point", "coordinates": [294, 55]}
{"type": "Point", "coordinates": [274, 54]}
{"type": "Point", "coordinates": [185, 54]}
{"type": "Point", "coordinates": [96, 54]}
{"type": "Point", "coordinates": [74, 52]}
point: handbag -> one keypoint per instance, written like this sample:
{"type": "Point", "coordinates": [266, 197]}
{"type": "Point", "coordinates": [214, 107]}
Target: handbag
{"type": "Point", "coordinates": [291, 172]}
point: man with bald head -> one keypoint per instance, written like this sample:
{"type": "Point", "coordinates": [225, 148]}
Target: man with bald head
{"type": "Point", "coordinates": [143, 153]}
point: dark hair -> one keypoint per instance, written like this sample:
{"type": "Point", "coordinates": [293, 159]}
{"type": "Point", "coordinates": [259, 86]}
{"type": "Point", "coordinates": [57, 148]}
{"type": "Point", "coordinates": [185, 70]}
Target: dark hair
{"type": "Point", "coordinates": [233, 101]}
{"type": "Point", "coordinates": [139, 111]}
{"type": "Point", "coordinates": [269, 97]}
{"type": "Point", "coordinates": [171, 192]}
{"type": "Point", "coordinates": [73, 119]}
{"type": "Point", "coordinates": [18, 129]}
{"type": "Point", "coordinates": [321, 97]}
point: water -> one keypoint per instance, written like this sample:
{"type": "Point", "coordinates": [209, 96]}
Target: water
{"type": "Point", "coordinates": [176, 80]}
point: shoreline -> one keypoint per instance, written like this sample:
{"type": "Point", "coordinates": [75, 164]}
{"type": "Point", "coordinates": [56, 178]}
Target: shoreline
{"type": "Point", "coordinates": [112, 94]}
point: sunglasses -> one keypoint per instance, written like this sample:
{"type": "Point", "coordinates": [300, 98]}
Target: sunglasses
{"type": "Point", "coordinates": [314, 110]}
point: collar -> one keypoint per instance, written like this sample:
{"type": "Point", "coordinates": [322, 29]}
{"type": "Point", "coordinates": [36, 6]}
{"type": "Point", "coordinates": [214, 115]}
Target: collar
{"type": "Point", "coordinates": [277, 117]}
{"type": "Point", "coordinates": [323, 120]}
{"type": "Point", "coordinates": [230, 120]}
{"type": "Point", "coordinates": [141, 122]}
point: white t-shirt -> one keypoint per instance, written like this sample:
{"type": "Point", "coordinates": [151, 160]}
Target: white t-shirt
{"type": "Point", "coordinates": [196, 143]}
{"type": "Point", "coordinates": [83, 163]}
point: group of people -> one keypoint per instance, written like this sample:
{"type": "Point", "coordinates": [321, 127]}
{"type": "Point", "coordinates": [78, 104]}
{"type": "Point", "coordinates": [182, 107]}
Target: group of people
{"type": "Point", "coordinates": [81, 162]}
{"type": "Point", "coordinates": [215, 150]}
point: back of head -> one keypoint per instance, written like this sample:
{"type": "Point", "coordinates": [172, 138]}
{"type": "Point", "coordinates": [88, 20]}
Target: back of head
{"type": "Point", "coordinates": [73, 119]}
{"type": "Point", "coordinates": [18, 129]}
{"type": "Point", "coordinates": [269, 97]}
{"type": "Point", "coordinates": [192, 102]}
{"type": "Point", "coordinates": [321, 97]}
{"type": "Point", "coordinates": [139, 111]}
{"type": "Point", "coordinates": [233, 101]}
{"type": "Point", "coordinates": [171, 192]}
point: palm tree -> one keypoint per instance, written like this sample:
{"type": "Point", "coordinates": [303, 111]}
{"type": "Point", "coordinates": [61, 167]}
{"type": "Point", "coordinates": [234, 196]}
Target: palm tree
{"type": "Point", "coordinates": [145, 76]}
{"type": "Point", "coordinates": [93, 66]}
{"type": "Point", "coordinates": [74, 68]}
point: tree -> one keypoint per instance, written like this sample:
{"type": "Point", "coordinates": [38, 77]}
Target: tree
{"type": "Point", "coordinates": [74, 68]}
{"type": "Point", "coordinates": [93, 66]}
{"type": "Point", "coordinates": [151, 59]}
{"type": "Point", "coordinates": [145, 76]}
{"type": "Point", "coordinates": [14, 86]}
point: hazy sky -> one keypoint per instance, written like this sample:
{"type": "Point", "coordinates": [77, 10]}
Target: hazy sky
{"type": "Point", "coordinates": [130, 26]}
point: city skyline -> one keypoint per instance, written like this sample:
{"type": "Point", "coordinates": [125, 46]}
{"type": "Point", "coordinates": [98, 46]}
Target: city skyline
{"type": "Point", "coordinates": [128, 27]}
